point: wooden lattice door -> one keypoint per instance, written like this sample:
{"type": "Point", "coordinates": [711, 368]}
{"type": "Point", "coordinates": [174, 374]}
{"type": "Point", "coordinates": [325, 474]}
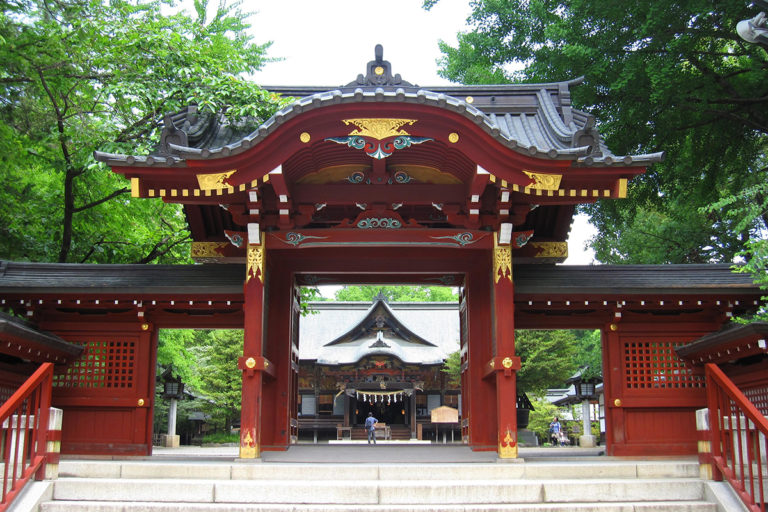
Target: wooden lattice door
{"type": "Point", "coordinates": [651, 395]}
{"type": "Point", "coordinates": [107, 394]}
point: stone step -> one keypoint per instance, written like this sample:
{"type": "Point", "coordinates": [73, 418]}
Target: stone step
{"type": "Point", "coordinates": [260, 471]}
{"type": "Point", "coordinates": [350, 490]}
{"type": "Point", "coordinates": [112, 506]}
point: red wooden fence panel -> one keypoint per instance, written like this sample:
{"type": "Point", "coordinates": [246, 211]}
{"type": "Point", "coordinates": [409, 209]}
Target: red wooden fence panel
{"type": "Point", "coordinates": [738, 434]}
{"type": "Point", "coordinates": [24, 419]}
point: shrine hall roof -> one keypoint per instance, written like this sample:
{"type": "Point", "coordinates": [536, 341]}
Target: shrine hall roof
{"type": "Point", "coordinates": [532, 119]}
{"type": "Point", "coordinates": [40, 278]}
{"type": "Point", "coordinates": [345, 332]}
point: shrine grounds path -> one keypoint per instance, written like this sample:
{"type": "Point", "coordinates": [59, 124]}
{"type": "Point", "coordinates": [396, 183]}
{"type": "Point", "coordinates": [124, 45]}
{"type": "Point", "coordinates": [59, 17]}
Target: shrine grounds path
{"type": "Point", "coordinates": [363, 453]}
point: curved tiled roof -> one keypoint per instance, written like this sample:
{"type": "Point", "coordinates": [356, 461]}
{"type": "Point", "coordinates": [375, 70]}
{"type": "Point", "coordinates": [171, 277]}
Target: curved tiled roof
{"type": "Point", "coordinates": [541, 134]}
{"type": "Point", "coordinates": [532, 119]}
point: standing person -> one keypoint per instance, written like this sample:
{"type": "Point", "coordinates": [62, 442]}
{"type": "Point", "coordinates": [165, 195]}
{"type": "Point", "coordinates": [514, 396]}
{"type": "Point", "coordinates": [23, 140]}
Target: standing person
{"type": "Point", "coordinates": [370, 426]}
{"type": "Point", "coordinates": [554, 432]}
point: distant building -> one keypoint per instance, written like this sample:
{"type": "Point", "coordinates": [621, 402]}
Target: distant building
{"type": "Point", "coordinates": [357, 358]}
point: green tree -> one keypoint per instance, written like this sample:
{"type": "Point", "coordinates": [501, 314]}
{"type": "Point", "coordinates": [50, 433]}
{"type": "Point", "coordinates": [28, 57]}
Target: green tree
{"type": "Point", "coordinates": [548, 358]}
{"type": "Point", "coordinates": [660, 76]}
{"type": "Point", "coordinates": [743, 208]}
{"type": "Point", "coordinates": [174, 349]}
{"type": "Point", "coordinates": [541, 416]}
{"type": "Point", "coordinates": [452, 368]}
{"type": "Point", "coordinates": [215, 355]}
{"type": "Point", "coordinates": [366, 293]}
{"type": "Point", "coordinates": [82, 75]}
{"type": "Point", "coordinates": [589, 353]}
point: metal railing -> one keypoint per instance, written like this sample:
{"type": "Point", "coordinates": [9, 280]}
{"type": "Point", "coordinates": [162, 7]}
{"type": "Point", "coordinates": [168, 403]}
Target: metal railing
{"type": "Point", "coordinates": [24, 418]}
{"type": "Point", "coordinates": [738, 435]}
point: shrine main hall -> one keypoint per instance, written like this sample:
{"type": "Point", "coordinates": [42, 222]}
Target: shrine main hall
{"type": "Point", "coordinates": [376, 181]}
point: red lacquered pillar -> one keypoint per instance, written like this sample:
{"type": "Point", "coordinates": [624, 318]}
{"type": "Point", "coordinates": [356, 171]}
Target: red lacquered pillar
{"type": "Point", "coordinates": [504, 365]}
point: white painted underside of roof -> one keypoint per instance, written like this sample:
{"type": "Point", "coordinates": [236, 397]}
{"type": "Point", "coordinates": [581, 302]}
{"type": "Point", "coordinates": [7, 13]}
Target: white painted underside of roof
{"type": "Point", "coordinates": [437, 323]}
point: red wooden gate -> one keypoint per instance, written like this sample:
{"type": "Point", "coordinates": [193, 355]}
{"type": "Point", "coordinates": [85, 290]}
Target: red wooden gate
{"type": "Point", "coordinates": [650, 394]}
{"type": "Point", "coordinates": [107, 394]}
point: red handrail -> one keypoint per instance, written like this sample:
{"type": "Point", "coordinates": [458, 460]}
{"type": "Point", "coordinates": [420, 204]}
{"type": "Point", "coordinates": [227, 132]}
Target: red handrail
{"type": "Point", "coordinates": [24, 417]}
{"type": "Point", "coordinates": [738, 434]}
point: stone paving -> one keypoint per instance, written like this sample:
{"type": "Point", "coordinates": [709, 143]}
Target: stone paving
{"type": "Point", "coordinates": [391, 452]}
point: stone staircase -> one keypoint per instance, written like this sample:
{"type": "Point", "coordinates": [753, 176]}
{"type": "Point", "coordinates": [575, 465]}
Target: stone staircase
{"type": "Point", "coordinates": [594, 484]}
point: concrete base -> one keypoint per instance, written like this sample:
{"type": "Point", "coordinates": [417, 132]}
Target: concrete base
{"type": "Point", "coordinates": [170, 441]}
{"type": "Point", "coordinates": [527, 438]}
{"type": "Point", "coordinates": [587, 441]}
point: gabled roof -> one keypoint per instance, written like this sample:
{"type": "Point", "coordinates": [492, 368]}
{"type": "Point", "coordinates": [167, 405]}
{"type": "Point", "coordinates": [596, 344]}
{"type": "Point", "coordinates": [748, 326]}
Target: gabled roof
{"type": "Point", "coordinates": [731, 343]}
{"type": "Point", "coordinates": [380, 331]}
{"type": "Point", "coordinates": [473, 157]}
{"type": "Point", "coordinates": [21, 339]}
{"type": "Point", "coordinates": [532, 119]}
{"type": "Point", "coordinates": [378, 319]}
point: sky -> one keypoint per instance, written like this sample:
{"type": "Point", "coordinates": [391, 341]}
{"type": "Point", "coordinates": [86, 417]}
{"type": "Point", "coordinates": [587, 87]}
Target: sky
{"type": "Point", "coordinates": [329, 42]}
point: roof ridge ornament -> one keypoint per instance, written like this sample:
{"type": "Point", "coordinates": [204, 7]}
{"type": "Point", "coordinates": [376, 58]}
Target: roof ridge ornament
{"type": "Point", "coordinates": [379, 72]}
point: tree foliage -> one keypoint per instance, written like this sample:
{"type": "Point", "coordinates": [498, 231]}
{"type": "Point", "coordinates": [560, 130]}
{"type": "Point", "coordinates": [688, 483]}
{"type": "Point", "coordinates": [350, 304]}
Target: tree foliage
{"type": "Point", "coordinates": [660, 76]}
{"type": "Point", "coordinates": [82, 75]}
{"type": "Point", "coordinates": [452, 368]}
{"type": "Point", "coordinates": [548, 358]}
{"type": "Point", "coordinates": [215, 362]}
{"type": "Point", "coordinates": [366, 293]}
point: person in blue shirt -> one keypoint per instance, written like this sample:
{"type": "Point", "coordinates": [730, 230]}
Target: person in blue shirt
{"type": "Point", "coordinates": [370, 427]}
{"type": "Point", "coordinates": [555, 431]}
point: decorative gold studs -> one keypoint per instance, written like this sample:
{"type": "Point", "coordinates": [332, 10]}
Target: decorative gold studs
{"type": "Point", "coordinates": [453, 138]}
{"type": "Point", "coordinates": [305, 137]}
{"type": "Point", "coordinates": [144, 327]}
{"type": "Point", "coordinates": [507, 362]}
{"type": "Point", "coordinates": [379, 70]}
{"type": "Point", "coordinates": [614, 327]}
{"type": "Point", "coordinates": [140, 403]}
{"type": "Point", "coordinates": [250, 362]}
{"type": "Point", "coordinates": [469, 99]}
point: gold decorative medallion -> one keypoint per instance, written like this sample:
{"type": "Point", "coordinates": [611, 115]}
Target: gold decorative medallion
{"type": "Point", "coordinates": [614, 327]}
{"type": "Point", "coordinates": [379, 70]}
{"type": "Point", "coordinates": [617, 402]}
{"type": "Point", "coordinates": [469, 99]}
{"type": "Point", "coordinates": [255, 263]}
{"type": "Point", "coordinates": [140, 403]}
{"type": "Point", "coordinates": [508, 446]}
{"type": "Point", "coordinates": [453, 137]}
{"type": "Point", "coordinates": [248, 447]}
{"type": "Point", "coordinates": [550, 249]}
{"type": "Point", "coordinates": [502, 262]}
{"type": "Point", "coordinates": [507, 362]}
{"type": "Point", "coordinates": [544, 181]}
{"type": "Point", "coordinates": [250, 362]}
{"type": "Point", "coordinates": [379, 128]}
{"type": "Point", "coordinates": [215, 181]}
{"type": "Point", "coordinates": [305, 137]}
{"type": "Point", "coordinates": [144, 327]}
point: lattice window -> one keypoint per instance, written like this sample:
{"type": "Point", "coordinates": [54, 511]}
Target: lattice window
{"type": "Point", "coordinates": [649, 365]}
{"type": "Point", "coordinates": [103, 364]}
{"type": "Point", "coordinates": [759, 398]}
{"type": "Point", "coordinates": [6, 392]}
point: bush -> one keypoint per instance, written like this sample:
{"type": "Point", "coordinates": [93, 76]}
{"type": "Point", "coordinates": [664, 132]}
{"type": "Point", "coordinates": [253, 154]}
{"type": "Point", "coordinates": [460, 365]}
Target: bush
{"type": "Point", "coordinates": [221, 438]}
